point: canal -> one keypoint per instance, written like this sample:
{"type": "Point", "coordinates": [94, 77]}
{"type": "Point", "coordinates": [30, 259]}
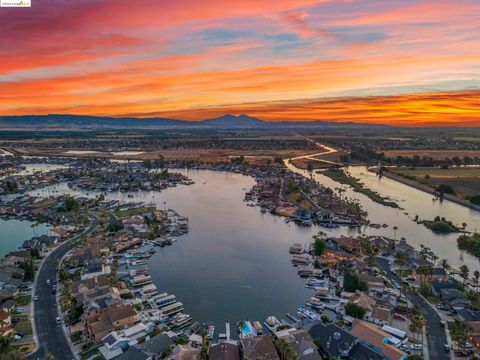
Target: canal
{"type": "Point", "coordinates": [14, 232]}
{"type": "Point", "coordinates": [234, 262]}
{"type": "Point", "coordinates": [412, 202]}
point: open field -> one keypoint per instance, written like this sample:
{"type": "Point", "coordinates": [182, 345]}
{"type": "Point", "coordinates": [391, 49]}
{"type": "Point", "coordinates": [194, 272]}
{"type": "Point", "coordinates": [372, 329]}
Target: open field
{"type": "Point", "coordinates": [436, 154]}
{"type": "Point", "coordinates": [464, 181]}
{"type": "Point", "coordinates": [438, 173]}
{"type": "Point", "coordinates": [209, 155]}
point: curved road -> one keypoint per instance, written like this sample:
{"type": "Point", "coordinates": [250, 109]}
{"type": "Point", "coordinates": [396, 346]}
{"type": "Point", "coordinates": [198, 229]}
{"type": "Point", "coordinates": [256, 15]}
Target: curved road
{"type": "Point", "coordinates": [51, 338]}
{"type": "Point", "coordinates": [436, 335]}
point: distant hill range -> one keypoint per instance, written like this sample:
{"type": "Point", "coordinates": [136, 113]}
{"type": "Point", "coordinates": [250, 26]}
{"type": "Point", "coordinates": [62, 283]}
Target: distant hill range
{"type": "Point", "coordinates": [228, 121]}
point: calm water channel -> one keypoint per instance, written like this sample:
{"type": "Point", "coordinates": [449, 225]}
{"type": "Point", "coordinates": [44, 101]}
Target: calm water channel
{"type": "Point", "coordinates": [14, 232]}
{"type": "Point", "coordinates": [231, 245]}
{"type": "Point", "coordinates": [413, 202]}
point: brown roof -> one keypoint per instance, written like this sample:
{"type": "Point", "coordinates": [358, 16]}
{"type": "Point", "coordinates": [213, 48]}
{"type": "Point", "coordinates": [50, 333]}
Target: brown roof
{"type": "Point", "coordinates": [8, 304]}
{"type": "Point", "coordinates": [101, 326]}
{"type": "Point", "coordinates": [375, 336]}
{"type": "Point", "coordinates": [224, 351]}
{"type": "Point", "coordinates": [259, 348]}
{"type": "Point", "coordinates": [381, 313]}
{"type": "Point", "coordinates": [99, 281]}
{"type": "Point", "coordinates": [120, 313]}
{"type": "Point", "coordinates": [4, 315]}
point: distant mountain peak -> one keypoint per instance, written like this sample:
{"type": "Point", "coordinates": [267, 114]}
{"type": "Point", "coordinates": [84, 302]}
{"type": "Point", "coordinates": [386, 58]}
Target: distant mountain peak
{"type": "Point", "coordinates": [236, 120]}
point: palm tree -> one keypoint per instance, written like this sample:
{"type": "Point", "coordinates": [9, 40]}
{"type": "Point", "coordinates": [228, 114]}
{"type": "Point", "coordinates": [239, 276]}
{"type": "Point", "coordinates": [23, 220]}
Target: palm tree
{"type": "Point", "coordinates": [417, 323]}
{"type": "Point", "coordinates": [464, 273]}
{"type": "Point", "coordinates": [444, 264]}
{"type": "Point", "coordinates": [476, 276]}
{"type": "Point", "coordinates": [434, 258]}
{"type": "Point", "coordinates": [395, 228]}
{"type": "Point", "coordinates": [5, 344]}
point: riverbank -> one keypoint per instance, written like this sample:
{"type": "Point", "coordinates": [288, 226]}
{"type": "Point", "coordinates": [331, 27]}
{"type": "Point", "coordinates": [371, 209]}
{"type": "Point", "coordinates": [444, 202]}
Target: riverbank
{"type": "Point", "coordinates": [425, 188]}
{"type": "Point", "coordinates": [343, 177]}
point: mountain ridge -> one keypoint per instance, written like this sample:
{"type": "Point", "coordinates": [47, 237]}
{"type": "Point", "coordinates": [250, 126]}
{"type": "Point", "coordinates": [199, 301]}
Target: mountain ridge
{"type": "Point", "coordinates": [223, 121]}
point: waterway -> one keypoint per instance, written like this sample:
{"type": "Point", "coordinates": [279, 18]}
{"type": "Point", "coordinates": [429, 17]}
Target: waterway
{"type": "Point", "coordinates": [14, 232]}
{"type": "Point", "coordinates": [234, 263]}
{"type": "Point", "coordinates": [412, 202]}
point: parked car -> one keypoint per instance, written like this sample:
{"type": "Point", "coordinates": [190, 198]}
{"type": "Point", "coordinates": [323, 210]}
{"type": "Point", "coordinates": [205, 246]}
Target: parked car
{"type": "Point", "coordinates": [416, 346]}
{"type": "Point", "coordinates": [399, 317]}
{"type": "Point", "coordinates": [442, 323]}
{"type": "Point", "coordinates": [447, 347]}
{"type": "Point", "coordinates": [58, 320]}
{"type": "Point", "coordinates": [35, 298]}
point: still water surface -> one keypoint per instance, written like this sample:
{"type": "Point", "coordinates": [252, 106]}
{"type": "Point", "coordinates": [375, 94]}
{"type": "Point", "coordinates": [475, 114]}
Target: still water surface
{"type": "Point", "coordinates": [14, 232]}
{"type": "Point", "coordinates": [413, 202]}
{"type": "Point", "coordinates": [231, 245]}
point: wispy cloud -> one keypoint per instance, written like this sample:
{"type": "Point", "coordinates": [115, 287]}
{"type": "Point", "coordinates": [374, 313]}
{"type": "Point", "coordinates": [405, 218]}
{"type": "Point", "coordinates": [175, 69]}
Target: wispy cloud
{"type": "Point", "coordinates": [118, 57]}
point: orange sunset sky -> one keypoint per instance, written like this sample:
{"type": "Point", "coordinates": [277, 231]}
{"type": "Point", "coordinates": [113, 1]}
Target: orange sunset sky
{"type": "Point", "coordinates": [401, 62]}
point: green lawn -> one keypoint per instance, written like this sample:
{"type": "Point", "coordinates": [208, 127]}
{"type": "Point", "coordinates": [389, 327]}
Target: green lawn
{"type": "Point", "coordinates": [23, 300]}
{"type": "Point", "coordinates": [130, 212]}
{"type": "Point", "coordinates": [24, 327]}
{"type": "Point", "coordinates": [90, 353]}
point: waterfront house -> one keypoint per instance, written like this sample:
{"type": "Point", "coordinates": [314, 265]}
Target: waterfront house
{"type": "Point", "coordinates": [98, 282]}
{"type": "Point", "coordinates": [94, 267]}
{"type": "Point", "coordinates": [112, 319]}
{"type": "Point", "coordinates": [437, 286]}
{"type": "Point", "coordinates": [348, 243]}
{"type": "Point", "coordinates": [332, 257]}
{"type": "Point", "coordinates": [184, 352]}
{"type": "Point", "coordinates": [302, 343]}
{"type": "Point", "coordinates": [379, 242]}
{"type": "Point", "coordinates": [96, 300]}
{"type": "Point", "coordinates": [365, 301]}
{"type": "Point", "coordinates": [133, 353]}
{"type": "Point", "coordinates": [16, 257]}
{"type": "Point", "coordinates": [406, 250]}
{"type": "Point", "coordinates": [381, 316]}
{"type": "Point", "coordinates": [377, 338]}
{"type": "Point", "coordinates": [335, 342]}
{"type": "Point", "coordinates": [155, 346]}
{"type": "Point", "coordinates": [454, 298]}
{"type": "Point", "coordinates": [438, 274]}
{"type": "Point", "coordinates": [135, 222]}
{"type": "Point", "coordinates": [376, 285]}
{"type": "Point", "coordinates": [224, 351]}
{"type": "Point", "coordinates": [114, 345]}
{"type": "Point", "coordinates": [259, 348]}
{"type": "Point", "coordinates": [58, 232]}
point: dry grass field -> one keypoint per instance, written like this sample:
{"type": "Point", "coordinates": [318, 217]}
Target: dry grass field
{"type": "Point", "coordinates": [436, 154]}
{"type": "Point", "coordinates": [464, 181]}
{"type": "Point", "coordinates": [208, 155]}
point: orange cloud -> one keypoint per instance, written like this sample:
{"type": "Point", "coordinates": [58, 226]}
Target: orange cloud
{"type": "Point", "coordinates": [433, 109]}
{"type": "Point", "coordinates": [163, 57]}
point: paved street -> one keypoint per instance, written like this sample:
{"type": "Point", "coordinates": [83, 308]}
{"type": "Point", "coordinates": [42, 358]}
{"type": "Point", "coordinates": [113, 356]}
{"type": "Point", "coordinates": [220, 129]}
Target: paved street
{"type": "Point", "coordinates": [435, 333]}
{"type": "Point", "coordinates": [50, 336]}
